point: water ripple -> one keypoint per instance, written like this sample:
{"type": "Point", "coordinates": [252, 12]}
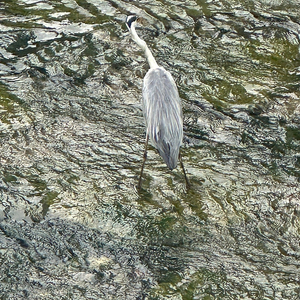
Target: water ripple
{"type": "Point", "coordinates": [72, 139]}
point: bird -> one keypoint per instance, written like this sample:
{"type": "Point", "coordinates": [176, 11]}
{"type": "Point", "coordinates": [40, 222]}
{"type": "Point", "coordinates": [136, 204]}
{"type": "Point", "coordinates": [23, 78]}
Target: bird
{"type": "Point", "coordinates": [162, 109]}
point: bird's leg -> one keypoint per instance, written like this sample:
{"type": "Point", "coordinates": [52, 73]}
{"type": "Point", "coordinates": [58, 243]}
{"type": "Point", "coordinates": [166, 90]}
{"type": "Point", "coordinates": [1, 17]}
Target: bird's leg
{"type": "Point", "coordinates": [188, 185]}
{"type": "Point", "coordinates": [144, 160]}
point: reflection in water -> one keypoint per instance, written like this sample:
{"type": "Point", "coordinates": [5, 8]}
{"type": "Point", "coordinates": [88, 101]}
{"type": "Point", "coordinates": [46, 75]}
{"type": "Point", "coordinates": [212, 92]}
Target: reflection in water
{"type": "Point", "coordinates": [72, 137]}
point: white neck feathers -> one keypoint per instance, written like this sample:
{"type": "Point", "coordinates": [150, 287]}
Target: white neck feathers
{"type": "Point", "coordinates": [143, 45]}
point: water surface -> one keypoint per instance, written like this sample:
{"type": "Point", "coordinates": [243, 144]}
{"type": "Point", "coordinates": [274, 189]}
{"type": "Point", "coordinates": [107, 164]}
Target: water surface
{"type": "Point", "coordinates": [73, 225]}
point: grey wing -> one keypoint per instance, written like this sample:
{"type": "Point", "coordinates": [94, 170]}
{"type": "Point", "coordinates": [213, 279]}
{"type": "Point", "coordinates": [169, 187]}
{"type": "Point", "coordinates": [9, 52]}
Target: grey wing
{"type": "Point", "coordinates": [163, 114]}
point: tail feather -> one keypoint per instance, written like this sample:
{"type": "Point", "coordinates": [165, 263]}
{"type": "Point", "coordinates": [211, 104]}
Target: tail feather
{"type": "Point", "coordinates": [169, 154]}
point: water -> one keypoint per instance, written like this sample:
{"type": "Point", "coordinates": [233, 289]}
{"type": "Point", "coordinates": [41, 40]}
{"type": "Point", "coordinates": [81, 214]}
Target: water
{"type": "Point", "coordinates": [73, 225]}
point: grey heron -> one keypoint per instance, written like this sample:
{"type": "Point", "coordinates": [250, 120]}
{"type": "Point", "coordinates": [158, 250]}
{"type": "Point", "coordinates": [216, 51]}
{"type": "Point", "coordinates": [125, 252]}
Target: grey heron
{"type": "Point", "coordinates": [161, 107]}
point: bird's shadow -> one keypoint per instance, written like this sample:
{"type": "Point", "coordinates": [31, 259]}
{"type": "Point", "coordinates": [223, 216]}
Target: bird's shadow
{"type": "Point", "coordinates": [191, 196]}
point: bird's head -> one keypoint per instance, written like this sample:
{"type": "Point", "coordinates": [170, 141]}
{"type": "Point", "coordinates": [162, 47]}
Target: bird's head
{"type": "Point", "coordinates": [130, 20]}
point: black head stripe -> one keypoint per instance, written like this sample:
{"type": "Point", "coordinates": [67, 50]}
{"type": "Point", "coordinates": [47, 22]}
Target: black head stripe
{"type": "Point", "coordinates": [130, 19]}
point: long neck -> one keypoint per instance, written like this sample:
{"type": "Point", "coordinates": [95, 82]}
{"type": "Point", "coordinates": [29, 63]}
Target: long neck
{"type": "Point", "coordinates": [143, 45]}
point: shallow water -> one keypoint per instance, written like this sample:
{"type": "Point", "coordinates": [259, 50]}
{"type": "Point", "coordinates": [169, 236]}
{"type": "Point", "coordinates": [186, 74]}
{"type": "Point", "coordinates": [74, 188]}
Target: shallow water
{"type": "Point", "coordinates": [73, 225]}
